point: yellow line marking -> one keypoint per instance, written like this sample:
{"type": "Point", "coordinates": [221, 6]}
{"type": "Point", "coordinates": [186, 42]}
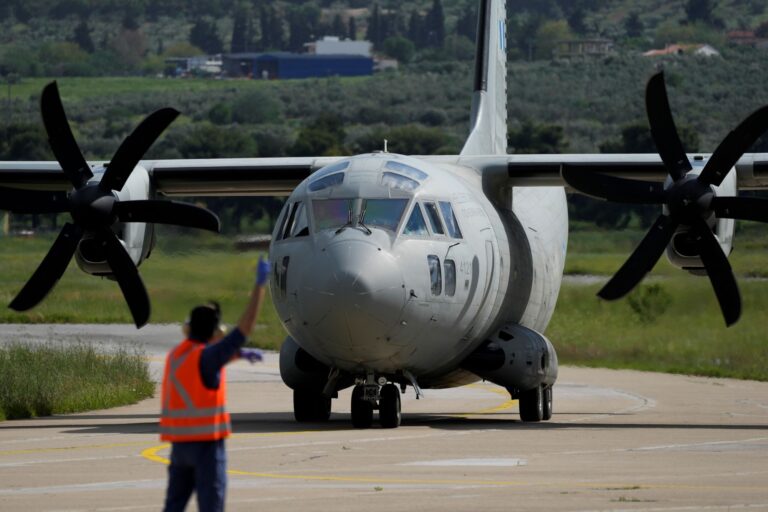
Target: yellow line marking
{"type": "Point", "coordinates": [70, 448]}
{"type": "Point", "coordinates": [151, 454]}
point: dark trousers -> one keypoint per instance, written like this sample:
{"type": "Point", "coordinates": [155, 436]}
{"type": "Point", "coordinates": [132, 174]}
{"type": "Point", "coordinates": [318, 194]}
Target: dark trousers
{"type": "Point", "coordinates": [200, 467]}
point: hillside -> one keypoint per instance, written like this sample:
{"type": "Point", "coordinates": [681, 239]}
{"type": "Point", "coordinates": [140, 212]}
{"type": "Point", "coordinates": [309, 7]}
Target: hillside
{"type": "Point", "coordinates": [107, 37]}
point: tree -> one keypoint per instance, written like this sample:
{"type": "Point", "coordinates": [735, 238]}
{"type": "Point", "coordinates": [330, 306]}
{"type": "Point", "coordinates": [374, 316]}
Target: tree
{"type": "Point", "coordinates": [322, 136]}
{"type": "Point", "coordinates": [204, 35]}
{"type": "Point", "coordinates": [533, 138]}
{"type": "Point", "coordinates": [634, 25]}
{"type": "Point", "coordinates": [435, 25]}
{"type": "Point", "coordinates": [373, 34]}
{"type": "Point", "coordinates": [549, 35]}
{"type": "Point", "coordinates": [338, 28]}
{"type": "Point", "coordinates": [636, 138]}
{"type": "Point", "coordinates": [466, 25]}
{"type": "Point", "coordinates": [701, 10]}
{"type": "Point", "coordinates": [242, 31]}
{"type": "Point", "coordinates": [24, 142]}
{"type": "Point", "coordinates": [82, 37]}
{"type": "Point", "coordinates": [399, 48]}
{"type": "Point", "coordinates": [352, 32]}
{"type": "Point", "coordinates": [416, 30]}
{"type": "Point", "coordinates": [259, 106]}
{"type": "Point", "coordinates": [303, 23]}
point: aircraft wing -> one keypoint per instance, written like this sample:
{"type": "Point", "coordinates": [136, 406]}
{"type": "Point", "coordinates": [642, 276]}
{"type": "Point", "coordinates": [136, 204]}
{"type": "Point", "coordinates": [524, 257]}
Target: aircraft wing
{"type": "Point", "coordinates": [545, 170]}
{"type": "Point", "coordinates": [180, 177]}
{"type": "Point", "coordinates": [279, 176]}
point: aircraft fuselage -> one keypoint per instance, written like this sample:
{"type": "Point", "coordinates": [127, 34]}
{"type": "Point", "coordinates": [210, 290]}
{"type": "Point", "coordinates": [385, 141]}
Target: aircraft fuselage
{"type": "Point", "coordinates": [385, 263]}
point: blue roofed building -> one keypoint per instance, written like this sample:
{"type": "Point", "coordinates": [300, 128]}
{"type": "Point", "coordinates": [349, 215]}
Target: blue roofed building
{"type": "Point", "coordinates": [283, 65]}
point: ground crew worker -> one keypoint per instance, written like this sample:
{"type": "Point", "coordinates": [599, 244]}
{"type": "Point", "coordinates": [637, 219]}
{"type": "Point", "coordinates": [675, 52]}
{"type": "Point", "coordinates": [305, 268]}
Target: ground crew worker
{"type": "Point", "coordinates": [193, 415]}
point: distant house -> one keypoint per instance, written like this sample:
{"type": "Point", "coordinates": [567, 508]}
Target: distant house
{"type": "Point", "coordinates": [703, 50]}
{"type": "Point", "coordinates": [332, 45]}
{"type": "Point", "coordinates": [583, 48]}
{"type": "Point", "coordinates": [283, 65]}
{"type": "Point", "coordinates": [747, 38]}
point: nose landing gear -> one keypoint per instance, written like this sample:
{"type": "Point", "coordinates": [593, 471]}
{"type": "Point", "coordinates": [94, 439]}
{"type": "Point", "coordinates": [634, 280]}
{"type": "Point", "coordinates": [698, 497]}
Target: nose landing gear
{"type": "Point", "coordinates": [369, 396]}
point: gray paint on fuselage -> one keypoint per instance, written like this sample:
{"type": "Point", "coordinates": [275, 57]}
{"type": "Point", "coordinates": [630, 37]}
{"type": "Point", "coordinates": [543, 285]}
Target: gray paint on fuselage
{"type": "Point", "coordinates": [393, 321]}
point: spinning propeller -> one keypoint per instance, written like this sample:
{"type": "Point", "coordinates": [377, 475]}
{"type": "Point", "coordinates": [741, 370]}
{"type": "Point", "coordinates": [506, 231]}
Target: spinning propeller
{"type": "Point", "coordinates": [690, 200]}
{"type": "Point", "coordinates": [95, 207]}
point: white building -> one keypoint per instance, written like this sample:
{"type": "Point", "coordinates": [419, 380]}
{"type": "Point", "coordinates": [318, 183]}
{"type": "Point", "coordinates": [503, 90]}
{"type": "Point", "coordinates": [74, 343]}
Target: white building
{"type": "Point", "coordinates": [332, 45]}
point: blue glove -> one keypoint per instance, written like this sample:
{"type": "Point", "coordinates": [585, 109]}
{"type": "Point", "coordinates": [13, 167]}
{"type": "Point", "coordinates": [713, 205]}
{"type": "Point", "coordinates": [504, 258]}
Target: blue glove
{"type": "Point", "coordinates": [251, 354]}
{"type": "Point", "coordinates": [262, 271]}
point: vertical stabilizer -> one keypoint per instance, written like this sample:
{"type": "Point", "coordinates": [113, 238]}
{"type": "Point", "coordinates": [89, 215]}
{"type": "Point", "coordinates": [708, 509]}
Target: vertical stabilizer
{"type": "Point", "coordinates": [488, 121]}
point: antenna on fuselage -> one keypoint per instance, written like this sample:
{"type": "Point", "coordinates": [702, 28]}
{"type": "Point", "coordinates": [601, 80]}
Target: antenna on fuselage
{"type": "Point", "coordinates": [386, 143]}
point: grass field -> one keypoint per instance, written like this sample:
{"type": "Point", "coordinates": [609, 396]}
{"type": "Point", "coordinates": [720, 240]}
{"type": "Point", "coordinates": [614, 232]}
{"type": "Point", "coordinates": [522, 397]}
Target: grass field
{"type": "Point", "coordinates": [56, 379]}
{"type": "Point", "coordinates": [681, 331]}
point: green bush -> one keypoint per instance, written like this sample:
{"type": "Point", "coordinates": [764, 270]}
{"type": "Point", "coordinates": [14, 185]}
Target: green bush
{"type": "Point", "coordinates": [649, 302]}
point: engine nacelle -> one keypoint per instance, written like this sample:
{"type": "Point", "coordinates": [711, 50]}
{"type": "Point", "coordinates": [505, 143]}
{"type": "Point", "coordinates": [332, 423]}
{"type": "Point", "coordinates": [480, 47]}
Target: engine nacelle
{"type": "Point", "coordinates": [515, 357]}
{"type": "Point", "coordinates": [137, 237]}
{"type": "Point", "coordinates": [299, 370]}
{"type": "Point", "coordinates": [682, 252]}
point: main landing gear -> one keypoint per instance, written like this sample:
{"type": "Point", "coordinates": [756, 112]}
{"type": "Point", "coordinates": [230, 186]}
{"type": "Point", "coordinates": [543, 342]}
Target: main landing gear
{"type": "Point", "coordinates": [376, 395]}
{"type": "Point", "coordinates": [536, 404]}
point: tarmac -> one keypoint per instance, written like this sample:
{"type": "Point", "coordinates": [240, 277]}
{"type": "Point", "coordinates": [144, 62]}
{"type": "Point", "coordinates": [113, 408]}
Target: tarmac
{"type": "Point", "coordinates": [619, 440]}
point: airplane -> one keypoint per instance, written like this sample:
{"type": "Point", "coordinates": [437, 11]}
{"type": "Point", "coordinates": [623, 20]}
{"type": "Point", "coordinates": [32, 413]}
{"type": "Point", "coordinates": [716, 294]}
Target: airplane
{"type": "Point", "coordinates": [390, 270]}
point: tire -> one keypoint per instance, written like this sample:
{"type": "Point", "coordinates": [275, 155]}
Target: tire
{"type": "Point", "coordinates": [547, 413]}
{"type": "Point", "coordinates": [309, 406]}
{"type": "Point", "coordinates": [389, 407]}
{"type": "Point", "coordinates": [532, 405]}
{"type": "Point", "coordinates": [362, 410]}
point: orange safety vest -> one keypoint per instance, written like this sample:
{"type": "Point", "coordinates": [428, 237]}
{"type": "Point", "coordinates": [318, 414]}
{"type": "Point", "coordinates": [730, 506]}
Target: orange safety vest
{"type": "Point", "coordinates": [191, 411]}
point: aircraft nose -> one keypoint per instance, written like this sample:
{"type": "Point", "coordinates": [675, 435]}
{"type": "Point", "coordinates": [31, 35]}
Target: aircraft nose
{"type": "Point", "coordinates": [353, 300]}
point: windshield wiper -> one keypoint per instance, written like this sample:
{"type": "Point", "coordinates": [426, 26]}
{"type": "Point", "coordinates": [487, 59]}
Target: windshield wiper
{"type": "Point", "coordinates": [362, 224]}
{"type": "Point", "coordinates": [349, 220]}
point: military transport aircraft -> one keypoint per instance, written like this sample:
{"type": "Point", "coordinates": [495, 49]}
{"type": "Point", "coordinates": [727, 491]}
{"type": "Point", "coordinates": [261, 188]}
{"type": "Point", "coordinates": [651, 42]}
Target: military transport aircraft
{"type": "Point", "coordinates": [393, 271]}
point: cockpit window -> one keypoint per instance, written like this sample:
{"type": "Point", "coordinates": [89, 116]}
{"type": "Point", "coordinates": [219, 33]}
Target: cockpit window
{"type": "Point", "coordinates": [435, 274]}
{"type": "Point", "coordinates": [416, 225]}
{"type": "Point", "coordinates": [407, 170]}
{"type": "Point", "coordinates": [300, 224]}
{"type": "Point", "coordinates": [330, 169]}
{"type": "Point", "coordinates": [434, 219]}
{"type": "Point", "coordinates": [331, 213]}
{"type": "Point", "coordinates": [383, 213]}
{"type": "Point", "coordinates": [450, 219]}
{"type": "Point", "coordinates": [328, 181]}
{"type": "Point", "coordinates": [392, 180]}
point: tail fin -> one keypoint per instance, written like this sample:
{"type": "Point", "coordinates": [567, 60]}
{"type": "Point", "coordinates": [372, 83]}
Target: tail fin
{"type": "Point", "coordinates": [488, 122]}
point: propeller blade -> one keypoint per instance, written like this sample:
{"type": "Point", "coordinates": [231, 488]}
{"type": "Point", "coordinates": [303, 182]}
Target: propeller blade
{"type": "Point", "coordinates": [167, 212]}
{"type": "Point", "coordinates": [50, 269]}
{"type": "Point", "coordinates": [744, 208]}
{"type": "Point", "coordinates": [642, 259]}
{"type": "Point", "coordinates": [719, 273]}
{"type": "Point", "coordinates": [663, 128]}
{"type": "Point", "coordinates": [61, 139]}
{"type": "Point", "coordinates": [134, 146]}
{"type": "Point", "coordinates": [127, 276]}
{"type": "Point", "coordinates": [733, 146]}
{"type": "Point", "coordinates": [17, 200]}
{"type": "Point", "coordinates": [610, 188]}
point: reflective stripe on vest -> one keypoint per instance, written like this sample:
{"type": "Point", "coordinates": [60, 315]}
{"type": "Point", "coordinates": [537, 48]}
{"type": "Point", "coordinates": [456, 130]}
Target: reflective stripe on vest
{"type": "Point", "coordinates": [191, 412]}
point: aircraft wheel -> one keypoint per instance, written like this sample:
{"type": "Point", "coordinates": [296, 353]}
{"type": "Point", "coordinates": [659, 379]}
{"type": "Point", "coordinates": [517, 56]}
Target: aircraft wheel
{"type": "Point", "coordinates": [389, 407]}
{"type": "Point", "coordinates": [532, 404]}
{"type": "Point", "coordinates": [309, 406]}
{"type": "Point", "coordinates": [362, 410]}
{"type": "Point", "coordinates": [547, 412]}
